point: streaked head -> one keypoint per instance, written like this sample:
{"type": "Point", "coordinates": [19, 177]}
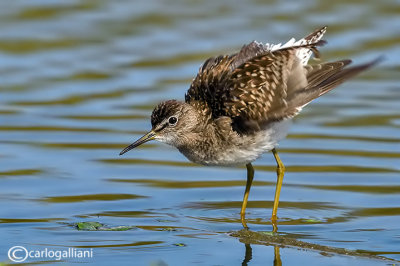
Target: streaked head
{"type": "Point", "coordinates": [171, 122]}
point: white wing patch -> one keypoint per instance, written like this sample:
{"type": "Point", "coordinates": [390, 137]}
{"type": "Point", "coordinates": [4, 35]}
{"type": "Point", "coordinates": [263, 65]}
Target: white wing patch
{"type": "Point", "coordinates": [303, 54]}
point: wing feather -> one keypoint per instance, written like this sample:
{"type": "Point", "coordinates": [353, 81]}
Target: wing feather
{"type": "Point", "coordinates": [213, 83]}
{"type": "Point", "coordinates": [262, 84]}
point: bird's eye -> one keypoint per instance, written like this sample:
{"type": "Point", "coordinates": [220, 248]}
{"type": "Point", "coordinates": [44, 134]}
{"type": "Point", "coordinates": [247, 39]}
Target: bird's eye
{"type": "Point", "coordinates": [172, 120]}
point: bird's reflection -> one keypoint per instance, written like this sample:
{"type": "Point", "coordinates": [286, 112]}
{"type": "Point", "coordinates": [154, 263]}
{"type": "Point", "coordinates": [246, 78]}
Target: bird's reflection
{"type": "Point", "coordinates": [277, 257]}
{"type": "Point", "coordinates": [248, 255]}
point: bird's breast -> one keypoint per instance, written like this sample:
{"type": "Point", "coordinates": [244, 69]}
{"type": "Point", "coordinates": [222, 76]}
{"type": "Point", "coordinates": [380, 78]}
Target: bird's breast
{"type": "Point", "coordinates": [236, 150]}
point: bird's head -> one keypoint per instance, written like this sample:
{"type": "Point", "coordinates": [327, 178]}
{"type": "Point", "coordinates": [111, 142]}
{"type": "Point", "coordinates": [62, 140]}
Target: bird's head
{"type": "Point", "coordinates": [172, 122]}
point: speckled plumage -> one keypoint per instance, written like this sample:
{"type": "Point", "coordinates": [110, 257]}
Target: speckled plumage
{"type": "Point", "coordinates": [239, 106]}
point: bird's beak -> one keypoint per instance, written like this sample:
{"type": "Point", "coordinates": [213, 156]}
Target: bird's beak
{"type": "Point", "coordinates": [149, 136]}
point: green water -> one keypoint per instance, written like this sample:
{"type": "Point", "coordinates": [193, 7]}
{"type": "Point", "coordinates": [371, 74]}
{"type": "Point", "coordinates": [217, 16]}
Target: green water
{"type": "Point", "coordinates": [78, 82]}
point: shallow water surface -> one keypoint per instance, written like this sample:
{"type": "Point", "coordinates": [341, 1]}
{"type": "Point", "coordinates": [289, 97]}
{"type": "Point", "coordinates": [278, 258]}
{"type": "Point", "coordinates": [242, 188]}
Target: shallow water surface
{"type": "Point", "coordinates": [79, 80]}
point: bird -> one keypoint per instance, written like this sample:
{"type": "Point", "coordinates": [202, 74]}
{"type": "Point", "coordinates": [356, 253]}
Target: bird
{"type": "Point", "coordinates": [240, 105]}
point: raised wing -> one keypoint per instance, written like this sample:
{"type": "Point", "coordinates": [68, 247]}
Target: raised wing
{"type": "Point", "coordinates": [212, 85]}
{"type": "Point", "coordinates": [266, 83]}
{"type": "Point", "coordinates": [261, 89]}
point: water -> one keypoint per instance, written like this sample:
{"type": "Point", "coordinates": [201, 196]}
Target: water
{"type": "Point", "coordinates": [79, 80]}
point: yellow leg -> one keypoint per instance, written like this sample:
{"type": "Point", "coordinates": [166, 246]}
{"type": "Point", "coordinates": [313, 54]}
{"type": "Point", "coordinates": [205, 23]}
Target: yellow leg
{"type": "Point", "coordinates": [250, 176]}
{"type": "Point", "coordinates": [280, 171]}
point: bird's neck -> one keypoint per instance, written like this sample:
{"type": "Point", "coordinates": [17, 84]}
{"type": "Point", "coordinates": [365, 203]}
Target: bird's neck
{"type": "Point", "coordinates": [208, 139]}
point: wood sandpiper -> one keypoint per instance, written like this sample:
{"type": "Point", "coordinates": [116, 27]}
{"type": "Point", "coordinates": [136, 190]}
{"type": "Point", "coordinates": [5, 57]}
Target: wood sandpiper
{"type": "Point", "coordinates": [239, 106]}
